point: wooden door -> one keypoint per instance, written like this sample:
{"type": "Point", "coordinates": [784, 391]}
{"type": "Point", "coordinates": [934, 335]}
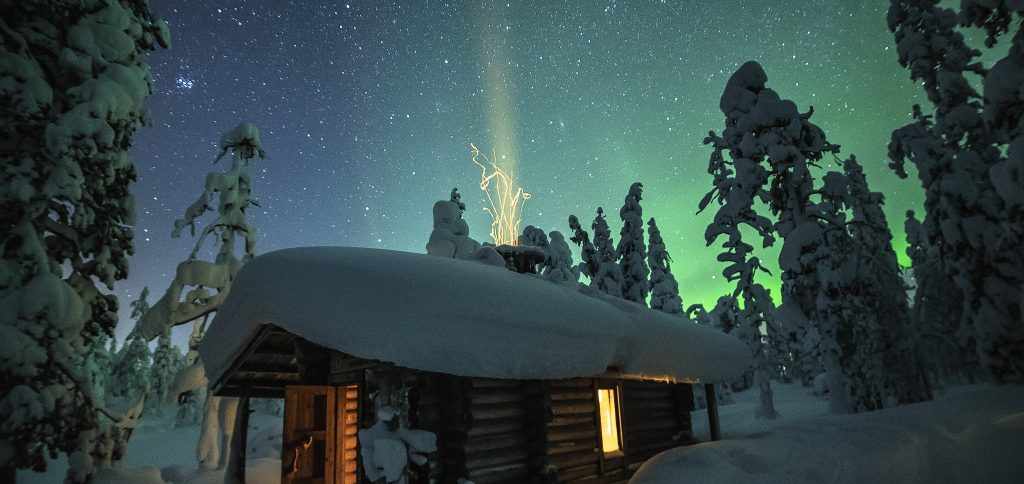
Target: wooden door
{"type": "Point", "coordinates": [307, 447]}
{"type": "Point", "coordinates": [320, 435]}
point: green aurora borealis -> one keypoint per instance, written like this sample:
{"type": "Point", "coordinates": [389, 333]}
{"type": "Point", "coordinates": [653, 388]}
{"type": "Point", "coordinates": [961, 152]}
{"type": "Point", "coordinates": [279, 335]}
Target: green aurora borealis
{"type": "Point", "coordinates": [367, 111]}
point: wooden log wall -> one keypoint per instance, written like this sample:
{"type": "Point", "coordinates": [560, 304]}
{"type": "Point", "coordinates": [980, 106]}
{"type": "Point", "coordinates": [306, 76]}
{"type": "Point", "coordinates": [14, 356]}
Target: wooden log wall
{"type": "Point", "coordinates": [572, 432]}
{"type": "Point", "coordinates": [442, 407]}
{"type": "Point", "coordinates": [505, 441]}
{"type": "Point", "coordinates": [653, 419]}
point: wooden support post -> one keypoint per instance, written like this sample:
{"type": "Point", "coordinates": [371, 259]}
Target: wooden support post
{"type": "Point", "coordinates": [716, 431]}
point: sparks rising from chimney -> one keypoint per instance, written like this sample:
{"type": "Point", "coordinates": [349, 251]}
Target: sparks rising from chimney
{"type": "Point", "coordinates": [505, 197]}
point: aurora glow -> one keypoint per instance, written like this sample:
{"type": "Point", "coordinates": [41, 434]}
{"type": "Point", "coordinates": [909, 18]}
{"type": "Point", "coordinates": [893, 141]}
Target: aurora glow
{"type": "Point", "coordinates": [367, 108]}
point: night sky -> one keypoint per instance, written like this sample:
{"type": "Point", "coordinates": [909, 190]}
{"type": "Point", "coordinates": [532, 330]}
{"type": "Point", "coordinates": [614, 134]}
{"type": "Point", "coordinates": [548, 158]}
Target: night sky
{"type": "Point", "coordinates": [367, 110]}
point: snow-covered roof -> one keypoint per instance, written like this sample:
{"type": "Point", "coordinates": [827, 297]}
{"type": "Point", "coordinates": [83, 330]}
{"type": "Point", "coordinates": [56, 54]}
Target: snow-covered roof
{"type": "Point", "coordinates": [459, 317]}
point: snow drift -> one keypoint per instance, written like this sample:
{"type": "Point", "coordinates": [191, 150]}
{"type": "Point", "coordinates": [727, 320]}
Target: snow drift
{"type": "Point", "coordinates": [460, 317]}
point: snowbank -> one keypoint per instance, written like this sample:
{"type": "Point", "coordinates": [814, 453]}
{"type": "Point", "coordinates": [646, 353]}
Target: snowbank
{"type": "Point", "coordinates": [974, 434]}
{"type": "Point", "coordinates": [159, 452]}
{"type": "Point", "coordinates": [459, 317]}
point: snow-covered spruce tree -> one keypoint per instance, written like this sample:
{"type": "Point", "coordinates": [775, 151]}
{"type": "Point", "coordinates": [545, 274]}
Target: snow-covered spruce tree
{"type": "Point", "coordinates": [664, 288]}
{"type": "Point", "coordinates": [131, 370]}
{"type": "Point", "coordinates": [608, 278]}
{"type": "Point", "coordinates": [632, 251]}
{"type": "Point", "coordinates": [884, 288]}
{"type": "Point", "coordinates": [590, 262]}
{"type": "Point", "coordinates": [99, 362]}
{"type": "Point", "coordinates": [936, 313]}
{"type": "Point", "coordinates": [757, 308]}
{"type": "Point", "coordinates": [73, 81]}
{"type": "Point", "coordinates": [131, 365]}
{"type": "Point", "coordinates": [970, 160]}
{"type": "Point", "coordinates": [836, 280]}
{"type": "Point", "coordinates": [771, 146]}
{"type": "Point", "coordinates": [167, 361]}
{"type": "Point", "coordinates": [208, 283]}
{"type": "Point", "coordinates": [199, 286]}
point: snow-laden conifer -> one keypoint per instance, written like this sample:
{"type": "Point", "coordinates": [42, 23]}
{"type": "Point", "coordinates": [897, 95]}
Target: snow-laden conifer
{"type": "Point", "coordinates": [632, 251]}
{"type": "Point", "coordinates": [199, 286]}
{"type": "Point", "coordinates": [608, 278]}
{"type": "Point", "coordinates": [131, 369]}
{"type": "Point", "coordinates": [167, 361]}
{"type": "Point", "coordinates": [884, 289]}
{"type": "Point", "coordinates": [73, 81]}
{"type": "Point", "coordinates": [763, 135]}
{"type": "Point", "coordinates": [590, 263]}
{"type": "Point", "coordinates": [969, 156]}
{"type": "Point", "coordinates": [664, 288]}
{"type": "Point", "coordinates": [937, 310]}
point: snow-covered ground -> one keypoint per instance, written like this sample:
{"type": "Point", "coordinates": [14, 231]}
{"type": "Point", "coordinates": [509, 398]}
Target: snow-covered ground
{"type": "Point", "coordinates": [160, 453]}
{"type": "Point", "coordinates": [972, 434]}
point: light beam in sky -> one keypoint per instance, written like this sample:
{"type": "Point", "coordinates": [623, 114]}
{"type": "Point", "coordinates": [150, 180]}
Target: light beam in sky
{"type": "Point", "coordinates": [505, 196]}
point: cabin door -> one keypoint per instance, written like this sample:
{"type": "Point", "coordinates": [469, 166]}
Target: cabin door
{"type": "Point", "coordinates": [319, 435]}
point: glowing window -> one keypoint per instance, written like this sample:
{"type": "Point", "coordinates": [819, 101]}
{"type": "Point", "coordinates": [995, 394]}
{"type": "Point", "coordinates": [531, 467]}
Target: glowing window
{"type": "Point", "coordinates": [608, 405]}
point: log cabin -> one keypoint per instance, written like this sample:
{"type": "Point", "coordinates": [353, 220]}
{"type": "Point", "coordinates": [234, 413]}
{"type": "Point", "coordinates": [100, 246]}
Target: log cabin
{"type": "Point", "coordinates": [518, 379]}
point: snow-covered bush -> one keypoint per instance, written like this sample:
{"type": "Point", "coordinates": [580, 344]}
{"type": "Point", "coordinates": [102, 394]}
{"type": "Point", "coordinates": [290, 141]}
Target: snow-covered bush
{"type": "Point", "coordinates": [450, 237]}
{"type": "Point", "coordinates": [559, 267]}
{"type": "Point", "coordinates": [390, 446]}
{"type": "Point", "coordinates": [73, 81]}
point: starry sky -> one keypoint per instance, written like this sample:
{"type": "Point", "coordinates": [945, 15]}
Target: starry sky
{"type": "Point", "coordinates": [367, 110]}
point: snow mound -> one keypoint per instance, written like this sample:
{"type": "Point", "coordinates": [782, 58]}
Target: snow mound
{"type": "Point", "coordinates": [968, 437]}
{"type": "Point", "coordinates": [459, 317]}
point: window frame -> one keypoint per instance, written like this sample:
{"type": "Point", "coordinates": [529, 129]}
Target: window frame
{"type": "Point", "coordinates": [616, 388]}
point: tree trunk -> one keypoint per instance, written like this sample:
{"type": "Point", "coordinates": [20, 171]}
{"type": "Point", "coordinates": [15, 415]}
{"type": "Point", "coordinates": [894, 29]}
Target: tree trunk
{"type": "Point", "coordinates": [235, 473]}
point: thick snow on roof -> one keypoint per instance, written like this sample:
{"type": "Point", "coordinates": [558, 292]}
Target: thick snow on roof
{"type": "Point", "coordinates": [459, 317]}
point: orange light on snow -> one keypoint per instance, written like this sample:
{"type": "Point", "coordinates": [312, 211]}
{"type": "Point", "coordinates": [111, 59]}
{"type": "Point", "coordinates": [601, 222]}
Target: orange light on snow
{"type": "Point", "coordinates": [609, 420]}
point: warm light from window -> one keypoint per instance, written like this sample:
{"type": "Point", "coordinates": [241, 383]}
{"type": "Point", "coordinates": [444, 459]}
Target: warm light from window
{"type": "Point", "coordinates": [609, 419]}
